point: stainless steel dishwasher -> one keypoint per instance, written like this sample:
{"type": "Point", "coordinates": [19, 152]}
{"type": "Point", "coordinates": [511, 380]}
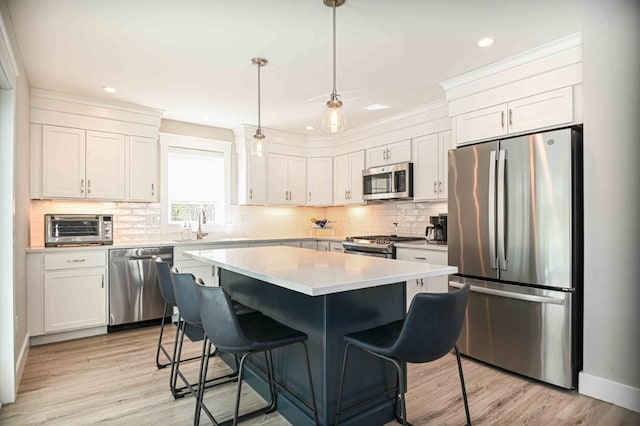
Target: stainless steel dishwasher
{"type": "Point", "coordinates": [134, 295]}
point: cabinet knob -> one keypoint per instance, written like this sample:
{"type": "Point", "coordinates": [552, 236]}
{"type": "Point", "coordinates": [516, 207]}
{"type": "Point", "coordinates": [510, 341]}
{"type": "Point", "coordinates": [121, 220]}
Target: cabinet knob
{"type": "Point", "coordinates": [88, 186]}
{"type": "Point", "coordinates": [251, 193]}
{"type": "Point", "coordinates": [439, 186]}
{"type": "Point", "coordinates": [502, 119]}
{"type": "Point", "coordinates": [82, 186]}
{"type": "Point", "coordinates": [309, 196]}
{"type": "Point", "coordinates": [434, 186]}
{"type": "Point", "coordinates": [510, 117]}
{"type": "Point", "coordinates": [153, 190]}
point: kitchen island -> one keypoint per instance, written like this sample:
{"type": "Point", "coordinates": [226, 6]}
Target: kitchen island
{"type": "Point", "coordinates": [325, 295]}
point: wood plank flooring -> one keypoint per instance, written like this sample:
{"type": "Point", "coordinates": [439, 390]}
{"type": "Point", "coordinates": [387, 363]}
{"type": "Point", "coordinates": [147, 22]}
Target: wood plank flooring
{"type": "Point", "coordinates": [113, 380]}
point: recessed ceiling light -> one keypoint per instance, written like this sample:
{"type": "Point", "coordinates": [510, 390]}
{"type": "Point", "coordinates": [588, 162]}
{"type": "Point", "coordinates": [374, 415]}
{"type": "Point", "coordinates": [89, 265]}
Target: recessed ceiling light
{"type": "Point", "coordinates": [309, 127]}
{"type": "Point", "coordinates": [205, 119]}
{"type": "Point", "coordinates": [109, 89]}
{"type": "Point", "coordinates": [376, 107]}
{"type": "Point", "coordinates": [484, 42]}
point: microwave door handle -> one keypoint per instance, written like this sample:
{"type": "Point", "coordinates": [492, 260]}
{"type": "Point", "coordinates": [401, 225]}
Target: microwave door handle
{"type": "Point", "coordinates": [501, 216]}
{"type": "Point", "coordinates": [492, 210]}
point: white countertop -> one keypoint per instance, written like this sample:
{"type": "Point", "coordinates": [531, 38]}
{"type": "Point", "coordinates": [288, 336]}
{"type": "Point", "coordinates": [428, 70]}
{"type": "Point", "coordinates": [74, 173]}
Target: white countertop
{"type": "Point", "coordinates": [317, 273]}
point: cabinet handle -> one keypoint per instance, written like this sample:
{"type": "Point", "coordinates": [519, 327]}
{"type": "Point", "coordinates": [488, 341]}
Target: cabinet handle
{"type": "Point", "coordinates": [309, 196]}
{"type": "Point", "coordinates": [510, 117]}
{"type": "Point", "coordinates": [388, 154]}
{"type": "Point", "coordinates": [251, 193]}
{"type": "Point", "coordinates": [349, 193]}
{"type": "Point", "coordinates": [502, 119]}
{"type": "Point", "coordinates": [439, 186]}
{"type": "Point", "coordinates": [384, 154]}
{"type": "Point", "coordinates": [88, 186]}
{"type": "Point", "coordinates": [420, 258]}
{"type": "Point", "coordinates": [421, 282]}
{"type": "Point", "coordinates": [75, 260]}
{"type": "Point", "coordinates": [153, 190]}
{"type": "Point", "coordinates": [345, 194]}
{"type": "Point", "coordinates": [82, 186]}
{"type": "Point", "coordinates": [434, 187]}
{"type": "Point", "coordinates": [102, 282]}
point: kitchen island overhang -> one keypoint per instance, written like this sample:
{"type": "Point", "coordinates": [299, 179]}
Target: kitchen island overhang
{"type": "Point", "coordinates": [325, 295]}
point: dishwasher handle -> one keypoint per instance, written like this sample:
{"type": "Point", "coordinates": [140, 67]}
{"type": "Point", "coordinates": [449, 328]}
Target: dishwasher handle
{"type": "Point", "coordinates": [144, 257]}
{"type": "Point", "coordinates": [511, 295]}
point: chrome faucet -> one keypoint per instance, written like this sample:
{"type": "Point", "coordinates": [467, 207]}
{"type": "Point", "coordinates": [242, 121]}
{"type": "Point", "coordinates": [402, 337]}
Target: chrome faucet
{"type": "Point", "coordinates": [202, 219]}
{"type": "Point", "coordinates": [396, 225]}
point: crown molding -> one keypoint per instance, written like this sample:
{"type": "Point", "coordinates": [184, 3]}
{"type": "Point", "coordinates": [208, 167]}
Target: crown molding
{"type": "Point", "coordinates": [9, 70]}
{"type": "Point", "coordinates": [542, 51]}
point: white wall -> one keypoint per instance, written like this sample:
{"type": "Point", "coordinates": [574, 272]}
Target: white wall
{"type": "Point", "coordinates": [611, 67]}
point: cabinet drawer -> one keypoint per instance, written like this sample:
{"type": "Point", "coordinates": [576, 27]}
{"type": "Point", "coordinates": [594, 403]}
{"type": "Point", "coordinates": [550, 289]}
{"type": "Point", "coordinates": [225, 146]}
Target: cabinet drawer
{"type": "Point", "coordinates": [418, 255]}
{"type": "Point", "coordinates": [76, 259]}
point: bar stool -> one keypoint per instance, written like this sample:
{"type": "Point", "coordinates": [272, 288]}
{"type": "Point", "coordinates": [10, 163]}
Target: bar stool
{"type": "Point", "coordinates": [429, 332]}
{"type": "Point", "coordinates": [189, 325]}
{"type": "Point", "coordinates": [166, 291]}
{"type": "Point", "coordinates": [244, 335]}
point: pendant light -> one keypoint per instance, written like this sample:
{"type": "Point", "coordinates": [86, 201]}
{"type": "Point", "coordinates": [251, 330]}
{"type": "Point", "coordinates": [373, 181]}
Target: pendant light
{"type": "Point", "coordinates": [333, 119]}
{"type": "Point", "coordinates": [258, 145]}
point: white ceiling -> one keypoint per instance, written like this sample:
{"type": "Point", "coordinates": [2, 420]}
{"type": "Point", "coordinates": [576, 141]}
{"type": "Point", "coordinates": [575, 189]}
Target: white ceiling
{"type": "Point", "coordinates": [191, 58]}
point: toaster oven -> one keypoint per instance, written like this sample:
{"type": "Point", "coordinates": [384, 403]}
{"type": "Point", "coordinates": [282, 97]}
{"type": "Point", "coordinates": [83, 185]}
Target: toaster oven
{"type": "Point", "coordinates": [78, 229]}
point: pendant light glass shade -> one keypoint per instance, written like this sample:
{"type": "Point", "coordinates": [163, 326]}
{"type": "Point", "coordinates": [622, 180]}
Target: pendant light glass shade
{"type": "Point", "coordinates": [333, 119]}
{"type": "Point", "coordinates": [258, 142]}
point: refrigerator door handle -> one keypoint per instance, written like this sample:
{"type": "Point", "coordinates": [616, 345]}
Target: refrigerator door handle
{"type": "Point", "coordinates": [501, 213]}
{"type": "Point", "coordinates": [510, 295]}
{"type": "Point", "coordinates": [492, 210]}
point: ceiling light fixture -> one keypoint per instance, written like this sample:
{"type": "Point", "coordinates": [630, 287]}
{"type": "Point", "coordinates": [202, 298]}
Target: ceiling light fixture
{"type": "Point", "coordinates": [257, 147]}
{"type": "Point", "coordinates": [333, 119]}
{"type": "Point", "coordinates": [485, 42]}
{"type": "Point", "coordinates": [109, 89]}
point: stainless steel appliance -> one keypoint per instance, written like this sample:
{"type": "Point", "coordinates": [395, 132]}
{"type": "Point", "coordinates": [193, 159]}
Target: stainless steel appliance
{"type": "Point", "coordinates": [436, 232]}
{"type": "Point", "coordinates": [77, 229]}
{"type": "Point", "coordinates": [134, 295]}
{"type": "Point", "coordinates": [394, 182]}
{"type": "Point", "coordinates": [375, 245]}
{"type": "Point", "coordinates": [515, 234]}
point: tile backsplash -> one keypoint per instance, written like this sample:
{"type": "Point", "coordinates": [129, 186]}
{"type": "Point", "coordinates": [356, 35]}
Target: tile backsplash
{"type": "Point", "coordinates": [134, 222]}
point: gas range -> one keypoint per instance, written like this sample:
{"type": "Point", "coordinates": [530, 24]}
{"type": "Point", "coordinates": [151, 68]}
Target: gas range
{"type": "Point", "coordinates": [375, 245]}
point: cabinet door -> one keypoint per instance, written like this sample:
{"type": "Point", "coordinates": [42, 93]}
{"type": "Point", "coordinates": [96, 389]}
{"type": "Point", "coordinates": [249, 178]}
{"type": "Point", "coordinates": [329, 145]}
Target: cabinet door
{"type": "Point", "coordinates": [297, 180]}
{"type": "Point", "coordinates": [482, 124]}
{"type": "Point", "coordinates": [356, 166]}
{"type": "Point", "coordinates": [413, 287]}
{"type": "Point", "coordinates": [277, 179]}
{"type": "Point", "coordinates": [74, 298]}
{"type": "Point", "coordinates": [341, 179]}
{"type": "Point", "coordinates": [544, 110]}
{"type": "Point", "coordinates": [313, 245]}
{"type": "Point", "coordinates": [323, 246]}
{"type": "Point", "coordinates": [399, 152]}
{"type": "Point", "coordinates": [377, 156]}
{"type": "Point", "coordinates": [319, 181]}
{"type": "Point", "coordinates": [63, 162]}
{"type": "Point", "coordinates": [105, 166]}
{"type": "Point", "coordinates": [336, 247]}
{"type": "Point", "coordinates": [425, 167]}
{"type": "Point", "coordinates": [444, 145]}
{"type": "Point", "coordinates": [143, 169]}
{"type": "Point", "coordinates": [256, 177]}
{"type": "Point", "coordinates": [199, 270]}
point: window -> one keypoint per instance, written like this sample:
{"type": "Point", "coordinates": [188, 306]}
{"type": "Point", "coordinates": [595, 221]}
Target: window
{"type": "Point", "coordinates": [195, 177]}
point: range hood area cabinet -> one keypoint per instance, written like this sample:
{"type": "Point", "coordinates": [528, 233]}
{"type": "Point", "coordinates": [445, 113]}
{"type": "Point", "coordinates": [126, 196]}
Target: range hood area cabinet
{"type": "Point", "coordinates": [430, 166]}
{"type": "Point", "coordinates": [347, 178]}
{"type": "Point", "coordinates": [398, 152]}
{"type": "Point", "coordinates": [71, 163]}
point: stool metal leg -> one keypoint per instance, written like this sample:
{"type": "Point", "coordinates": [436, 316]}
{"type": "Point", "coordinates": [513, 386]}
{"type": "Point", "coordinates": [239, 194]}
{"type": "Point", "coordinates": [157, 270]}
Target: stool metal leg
{"type": "Point", "coordinates": [344, 369]}
{"type": "Point", "coordinates": [175, 370]}
{"type": "Point", "coordinates": [160, 347]}
{"type": "Point", "coordinates": [313, 394]}
{"type": "Point", "coordinates": [464, 390]}
{"type": "Point", "coordinates": [175, 351]}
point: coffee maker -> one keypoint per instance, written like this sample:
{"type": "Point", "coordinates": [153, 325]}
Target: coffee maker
{"type": "Point", "coordinates": [437, 231]}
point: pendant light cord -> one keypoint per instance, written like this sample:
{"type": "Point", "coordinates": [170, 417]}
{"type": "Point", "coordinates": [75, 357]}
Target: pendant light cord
{"type": "Point", "coordinates": [334, 50]}
{"type": "Point", "coordinates": [259, 125]}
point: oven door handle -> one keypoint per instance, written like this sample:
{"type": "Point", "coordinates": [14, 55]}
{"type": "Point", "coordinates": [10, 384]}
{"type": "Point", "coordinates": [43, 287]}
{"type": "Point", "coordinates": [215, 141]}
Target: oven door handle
{"type": "Point", "coordinates": [510, 295]}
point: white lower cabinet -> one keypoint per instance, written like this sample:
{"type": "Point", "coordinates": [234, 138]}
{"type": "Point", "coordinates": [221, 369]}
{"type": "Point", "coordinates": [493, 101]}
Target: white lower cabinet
{"type": "Point", "coordinates": [424, 285]}
{"type": "Point", "coordinates": [323, 246]}
{"type": "Point", "coordinates": [187, 265]}
{"type": "Point", "coordinates": [336, 247]}
{"type": "Point", "coordinates": [66, 291]}
{"type": "Point", "coordinates": [313, 245]}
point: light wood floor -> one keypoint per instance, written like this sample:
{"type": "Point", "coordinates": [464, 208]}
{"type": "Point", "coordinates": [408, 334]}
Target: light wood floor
{"type": "Point", "coordinates": [113, 380]}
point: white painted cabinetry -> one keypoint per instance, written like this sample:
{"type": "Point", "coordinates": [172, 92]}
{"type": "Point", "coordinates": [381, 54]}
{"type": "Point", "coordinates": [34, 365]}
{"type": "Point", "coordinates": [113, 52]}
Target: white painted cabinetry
{"type": "Point", "coordinates": [196, 268]}
{"type": "Point", "coordinates": [66, 291]}
{"type": "Point", "coordinates": [143, 169]}
{"type": "Point", "coordinates": [424, 285]}
{"type": "Point", "coordinates": [522, 115]}
{"type": "Point", "coordinates": [105, 166]}
{"type": "Point", "coordinates": [63, 162]}
{"type": "Point", "coordinates": [336, 247]}
{"type": "Point", "coordinates": [398, 152]}
{"type": "Point", "coordinates": [286, 177]}
{"type": "Point", "coordinates": [347, 178]}
{"type": "Point", "coordinates": [252, 178]}
{"type": "Point", "coordinates": [430, 174]}
{"type": "Point", "coordinates": [319, 181]}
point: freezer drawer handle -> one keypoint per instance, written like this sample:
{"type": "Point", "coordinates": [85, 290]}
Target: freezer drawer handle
{"type": "Point", "coordinates": [509, 295]}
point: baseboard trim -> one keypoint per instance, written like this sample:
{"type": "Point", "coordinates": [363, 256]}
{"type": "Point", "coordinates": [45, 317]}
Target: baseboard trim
{"type": "Point", "coordinates": [22, 361]}
{"type": "Point", "coordinates": [67, 335]}
{"type": "Point", "coordinates": [609, 391]}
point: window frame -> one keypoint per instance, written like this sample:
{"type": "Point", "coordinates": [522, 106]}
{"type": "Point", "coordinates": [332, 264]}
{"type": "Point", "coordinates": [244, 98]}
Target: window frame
{"type": "Point", "coordinates": [168, 140]}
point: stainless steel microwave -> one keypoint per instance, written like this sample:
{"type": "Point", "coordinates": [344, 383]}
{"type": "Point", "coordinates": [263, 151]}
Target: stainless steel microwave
{"type": "Point", "coordinates": [77, 229]}
{"type": "Point", "coordinates": [393, 182]}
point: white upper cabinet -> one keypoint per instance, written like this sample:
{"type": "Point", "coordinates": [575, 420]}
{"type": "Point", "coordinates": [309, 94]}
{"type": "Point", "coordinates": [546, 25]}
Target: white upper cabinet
{"type": "Point", "coordinates": [286, 177]}
{"type": "Point", "coordinates": [522, 115]}
{"type": "Point", "coordinates": [399, 152]}
{"type": "Point", "coordinates": [319, 181]}
{"type": "Point", "coordinates": [105, 166]}
{"type": "Point", "coordinates": [252, 177]}
{"type": "Point", "coordinates": [347, 178]}
{"type": "Point", "coordinates": [430, 166]}
{"type": "Point", "coordinates": [63, 162]}
{"type": "Point", "coordinates": [143, 169]}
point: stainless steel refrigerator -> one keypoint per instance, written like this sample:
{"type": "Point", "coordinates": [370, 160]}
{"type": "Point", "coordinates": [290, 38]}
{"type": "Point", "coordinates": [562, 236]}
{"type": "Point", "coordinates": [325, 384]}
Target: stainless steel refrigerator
{"type": "Point", "coordinates": [515, 234]}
